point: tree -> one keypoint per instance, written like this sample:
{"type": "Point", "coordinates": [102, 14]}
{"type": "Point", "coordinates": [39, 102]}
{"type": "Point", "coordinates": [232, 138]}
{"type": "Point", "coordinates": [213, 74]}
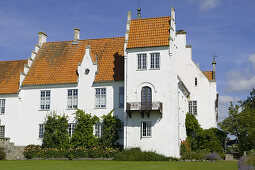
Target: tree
{"type": "Point", "coordinates": [83, 132]}
{"type": "Point", "coordinates": [111, 129]}
{"type": "Point", "coordinates": [55, 134]}
{"type": "Point", "coordinates": [241, 123]}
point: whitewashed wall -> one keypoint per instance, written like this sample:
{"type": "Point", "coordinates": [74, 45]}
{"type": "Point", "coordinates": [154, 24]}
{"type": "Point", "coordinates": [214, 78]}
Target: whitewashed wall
{"type": "Point", "coordinates": [10, 118]}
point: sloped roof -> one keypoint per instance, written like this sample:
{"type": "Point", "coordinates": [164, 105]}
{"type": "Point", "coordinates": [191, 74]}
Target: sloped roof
{"type": "Point", "coordinates": [57, 62]}
{"type": "Point", "coordinates": [208, 74]}
{"type": "Point", "coordinates": [10, 75]}
{"type": "Point", "coordinates": [149, 32]}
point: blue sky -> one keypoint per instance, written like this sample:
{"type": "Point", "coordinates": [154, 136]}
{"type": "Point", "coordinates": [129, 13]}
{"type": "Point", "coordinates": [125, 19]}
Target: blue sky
{"type": "Point", "coordinates": [225, 27]}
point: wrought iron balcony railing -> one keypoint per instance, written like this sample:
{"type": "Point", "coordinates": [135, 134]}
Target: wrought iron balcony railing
{"type": "Point", "coordinates": [139, 106]}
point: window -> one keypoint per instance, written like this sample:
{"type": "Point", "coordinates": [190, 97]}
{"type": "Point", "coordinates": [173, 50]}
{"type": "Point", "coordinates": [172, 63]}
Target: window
{"type": "Point", "coordinates": [142, 61]}
{"type": "Point", "coordinates": [71, 127]}
{"type": "Point", "coordinates": [100, 97]}
{"type": "Point", "coordinates": [195, 81]}
{"type": "Point", "coordinates": [155, 60]}
{"type": "Point", "coordinates": [98, 130]}
{"type": "Point", "coordinates": [146, 129]}
{"type": "Point", "coordinates": [45, 100]}
{"type": "Point", "coordinates": [2, 131]}
{"type": "Point", "coordinates": [121, 97]}
{"type": "Point", "coordinates": [72, 99]}
{"type": "Point", "coordinates": [193, 107]}
{"type": "Point", "coordinates": [146, 98]}
{"type": "Point", "coordinates": [2, 106]}
{"type": "Point", "coordinates": [41, 130]}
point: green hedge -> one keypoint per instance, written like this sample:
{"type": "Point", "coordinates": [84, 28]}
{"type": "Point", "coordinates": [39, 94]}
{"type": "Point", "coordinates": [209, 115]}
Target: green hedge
{"type": "Point", "coordinates": [35, 151]}
{"type": "Point", "coordinates": [135, 154]}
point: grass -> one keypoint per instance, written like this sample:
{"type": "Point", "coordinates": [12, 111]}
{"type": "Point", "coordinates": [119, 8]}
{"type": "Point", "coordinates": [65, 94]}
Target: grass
{"type": "Point", "coordinates": [112, 165]}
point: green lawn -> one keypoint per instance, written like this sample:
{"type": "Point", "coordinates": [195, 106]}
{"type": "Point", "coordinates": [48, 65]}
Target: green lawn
{"type": "Point", "coordinates": [111, 165]}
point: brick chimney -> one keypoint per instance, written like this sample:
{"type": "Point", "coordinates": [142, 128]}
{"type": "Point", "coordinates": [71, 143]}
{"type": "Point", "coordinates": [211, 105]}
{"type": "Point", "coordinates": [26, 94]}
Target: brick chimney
{"type": "Point", "coordinates": [42, 38]}
{"type": "Point", "coordinates": [76, 35]}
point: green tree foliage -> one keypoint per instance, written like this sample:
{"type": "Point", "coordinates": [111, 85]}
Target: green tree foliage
{"type": "Point", "coordinates": [83, 132]}
{"type": "Point", "coordinates": [203, 139]}
{"type": "Point", "coordinates": [192, 125]}
{"type": "Point", "coordinates": [111, 129]}
{"type": "Point", "coordinates": [55, 134]}
{"type": "Point", "coordinates": [250, 101]}
{"type": "Point", "coordinates": [241, 123]}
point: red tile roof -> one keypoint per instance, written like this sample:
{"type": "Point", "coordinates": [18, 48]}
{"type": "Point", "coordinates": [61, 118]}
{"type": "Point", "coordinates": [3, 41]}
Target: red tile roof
{"type": "Point", "coordinates": [57, 62]}
{"type": "Point", "coordinates": [208, 74]}
{"type": "Point", "coordinates": [149, 32]}
{"type": "Point", "coordinates": [10, 75]}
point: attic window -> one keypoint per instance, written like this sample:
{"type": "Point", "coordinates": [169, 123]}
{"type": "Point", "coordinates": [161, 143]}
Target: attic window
{"type": "Point", "coordinates": [87, 71]}
{"type": "Point", "coordinates": [195, 81]}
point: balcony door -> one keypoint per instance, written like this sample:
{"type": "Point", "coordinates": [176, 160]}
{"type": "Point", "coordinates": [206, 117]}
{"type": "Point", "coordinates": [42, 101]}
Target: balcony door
{"type": "Point", "coordinates": [146, 98]}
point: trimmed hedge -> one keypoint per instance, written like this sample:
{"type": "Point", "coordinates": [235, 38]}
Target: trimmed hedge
{"type": "Point", "coordinates": [35, 151]}
{"type": "Point", "coordinates": [135, 154]}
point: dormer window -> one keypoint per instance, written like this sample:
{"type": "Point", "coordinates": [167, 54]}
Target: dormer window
{"type": "Point", "coordinates": [142, 61]}
{"type": "Point", "coordinates": [155, 60]}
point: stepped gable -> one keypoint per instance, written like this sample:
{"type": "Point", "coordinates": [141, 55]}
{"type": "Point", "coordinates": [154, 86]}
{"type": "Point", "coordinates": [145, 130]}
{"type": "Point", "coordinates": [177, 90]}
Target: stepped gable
{"type": "Point", "coordinates": [57, 62]}
{"type": "Point", "coordinates": [10, 75]}
{"type": "Point", "coordinates": [149, 32]}
{"type": "Point", "coordinates": [208, 74]}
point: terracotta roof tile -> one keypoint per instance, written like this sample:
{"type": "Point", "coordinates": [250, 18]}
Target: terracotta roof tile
{"type": "Point", "coordinates": [208, 74]}
{"type": "Point", "coordinates": [149, 32]}
{"type": "Point", "coordinates": [10, 75]}
{"type": "Point", "coordinates": [57, 62]}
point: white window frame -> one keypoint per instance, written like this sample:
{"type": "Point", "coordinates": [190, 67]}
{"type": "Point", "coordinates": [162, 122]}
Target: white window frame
{"type": "Point", "coordinates": [2, 131]}
{"type": "Point", "coordinates": [72, 98]}
{"type": "Point", "coordinates": [121, 97]}
{"type": "Point", "coordinates": [100, 97]}
{"type": "Point", "coordinates": [2, 106]}
{"type": "Point", "coordinates": [193, 107]}
{"type": "Point", "coordinates": [142, 61]}
{"type": "Point", "coordinates": [98, 129]}
{"type": "Point", "coordinates": [45, 100]}
{"type": "Point", "coordinates": [146, 129]}
{"type": "Point", "coordinates": [155, 61]}
{"type": "Point", "coordinates": [71, 127]}
{"type": "Point", "coordinates": [41, 131]}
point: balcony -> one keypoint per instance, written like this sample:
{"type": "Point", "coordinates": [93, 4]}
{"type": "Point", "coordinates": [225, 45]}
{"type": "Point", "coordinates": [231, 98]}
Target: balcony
{"type": "Point", "coordinates": [143, 107]}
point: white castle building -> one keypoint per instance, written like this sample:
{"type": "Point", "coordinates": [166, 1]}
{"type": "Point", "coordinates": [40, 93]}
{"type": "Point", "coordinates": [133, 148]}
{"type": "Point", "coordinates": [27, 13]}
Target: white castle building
{"type": "Point", "coordinates": [148, 77]}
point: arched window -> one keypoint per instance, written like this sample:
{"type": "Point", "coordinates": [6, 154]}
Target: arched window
{"type": "Point", "coordinates": [146, 98]}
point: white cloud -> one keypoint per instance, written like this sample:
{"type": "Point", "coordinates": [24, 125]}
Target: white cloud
{"type": "Point", "coordinates": [238, 82]}
{"type": "Point", "coordinates": [252, 60]}
{"type": "Point", "coordinates": [227, 99]}
{"type": "Point", "coordinates": [208, 4]}
{"type": "Point", "coordinates": [205, 5]}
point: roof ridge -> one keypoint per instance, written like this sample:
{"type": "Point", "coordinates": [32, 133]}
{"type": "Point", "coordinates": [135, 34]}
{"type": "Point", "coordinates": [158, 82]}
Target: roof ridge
{"type": "Point", "coordinates": [14, 60]}
{"type": "Point", "coordinates": [85, 39]}
{"type": "Point", "coordinates": [151, 18]}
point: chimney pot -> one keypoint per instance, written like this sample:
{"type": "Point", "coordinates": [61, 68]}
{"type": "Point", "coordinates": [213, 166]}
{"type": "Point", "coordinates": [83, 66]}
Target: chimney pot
{"type": "Point", "coordinates": [42, 38]}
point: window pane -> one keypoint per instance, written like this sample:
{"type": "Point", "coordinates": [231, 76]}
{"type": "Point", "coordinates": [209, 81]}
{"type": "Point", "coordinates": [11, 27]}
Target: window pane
{"type": "Point", "coordinates": [144, 61]}
{"type": "Point", "coordinates": [121, 97]}
{"type": "Point", "coordinates": [139, 62]}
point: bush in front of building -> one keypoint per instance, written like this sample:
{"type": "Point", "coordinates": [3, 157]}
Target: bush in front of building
{"type": "Point", "coordinates": [2, 154]}
{"type": "Point", "coordinates": [111, 130]}
{"type": "Point", "coordinates": [135, 154]}
{"type": "Point", "coordinates": [36, 151]}
{"type": "Point", "coordinates": [83, 133]}
{"type": "Point", "coordinates": [56, 133]}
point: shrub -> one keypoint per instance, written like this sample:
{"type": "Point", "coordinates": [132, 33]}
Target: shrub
{"type": "Point", "coordinates": [111, 129]}
{"type": "Point", "coordinates": [35, 151]}
{"type": "Point", "coordinates": [213, 156]}
{"type": "Point", "coordinates": [56, 134]}
{"type": "Point", "coordinates": [2, 154]}
{"type": "Point", "coordinates": [83, 132]}
{"type": "Point", "coordinates": [135, 154]}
